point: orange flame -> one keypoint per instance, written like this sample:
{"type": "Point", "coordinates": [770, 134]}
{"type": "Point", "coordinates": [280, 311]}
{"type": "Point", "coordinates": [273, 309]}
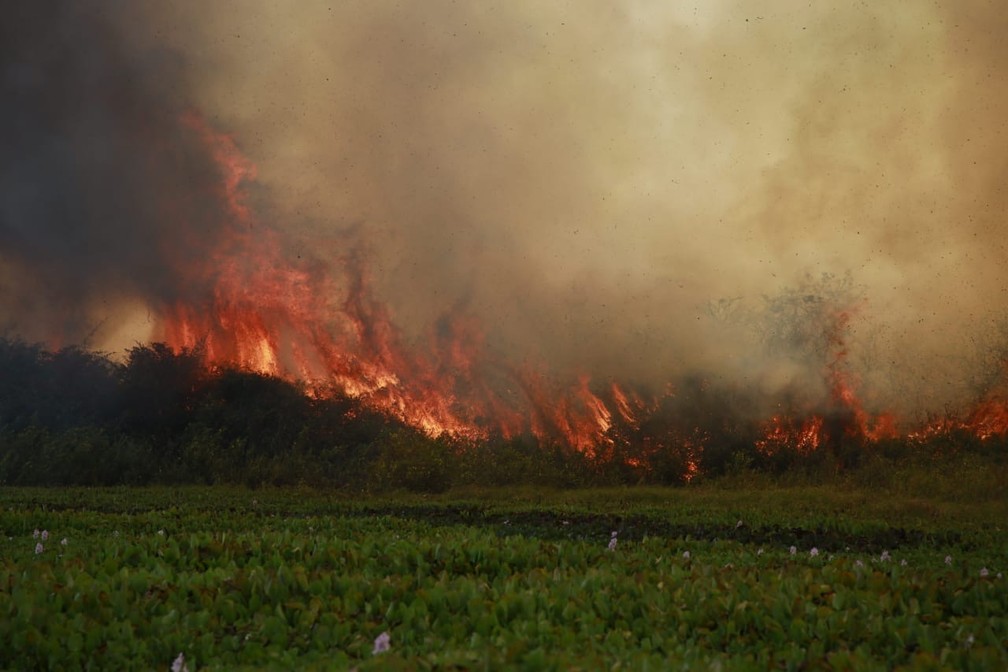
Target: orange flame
{"type": "Point", "coordinates": [295, 319]}
{"type": "Point", "coordinates": [272, 316]}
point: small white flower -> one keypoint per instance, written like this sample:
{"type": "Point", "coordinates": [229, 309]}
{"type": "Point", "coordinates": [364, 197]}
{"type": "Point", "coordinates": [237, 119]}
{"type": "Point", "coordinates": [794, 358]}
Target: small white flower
{"type": "Point", "coordinates": [381, 643]}
{"type": "Point", "coordinates": [686, 555]}
{"type": "Point", "coordinates": [179, 664]}
{"type": "Point", "coordinates": [64, 542]}
{"type": "Point", "coordinates": [969, 640]}
{"type": "Point", "coordinates": [160, 532]}
{"type": "Point", "coordinates": [885, 556]}
{"type": "Point", "coordinates": [38, 548]}
{"type": "Point", "coordinates": [984, 573]}
{"type": "Point", "coordinates": [999, 575]}
{"type": "Point", "coordinates": [115, 533]}
{"type": "Point", "coordinates": [792, 550]}
{"type": "Point", "coordinates": [903, 562]}
{"type": "Point", "coordinates": [612, 542]}
{"type": "Point", "coordinates": [759, 552]}
{"type": "Point", "coordinates": [814, 552]}
{"type": "Point", "coordinates": [859, 564]}
{"type": "Point", "coordinates": [35, 534]}
{"type": "Point", "coordinates": [738, 524]}
{"type": "Point", "coordinates": [948, 560]}
{"type": "Point", "coordinates": [45, 535]}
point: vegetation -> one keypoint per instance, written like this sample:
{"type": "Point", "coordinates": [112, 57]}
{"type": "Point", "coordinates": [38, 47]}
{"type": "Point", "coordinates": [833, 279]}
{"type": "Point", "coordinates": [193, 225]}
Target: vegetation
{"type": "Point", "coordinates": [644, 578]}
{"type": "Point", "coordinates": [74, 417]}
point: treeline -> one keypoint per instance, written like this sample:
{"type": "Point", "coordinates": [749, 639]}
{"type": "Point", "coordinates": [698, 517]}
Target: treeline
{"type": "Point", "coordinates": [75, 417]}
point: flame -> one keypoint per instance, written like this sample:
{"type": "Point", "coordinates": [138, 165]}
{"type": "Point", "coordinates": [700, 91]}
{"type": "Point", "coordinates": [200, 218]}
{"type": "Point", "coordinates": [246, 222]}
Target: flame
{"type": "Point", "coordinates": [781, 432]}
{"type": "Point", "coordinates": [269, 315]}
{"type": "Point", "coordinates": [990, 419]}
{"type": "Point", "coordinates": [322, 326]}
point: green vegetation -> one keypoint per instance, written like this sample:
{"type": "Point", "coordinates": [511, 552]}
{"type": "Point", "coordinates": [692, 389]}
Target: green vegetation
{"type": "Point", "coordinates": [701, 577]}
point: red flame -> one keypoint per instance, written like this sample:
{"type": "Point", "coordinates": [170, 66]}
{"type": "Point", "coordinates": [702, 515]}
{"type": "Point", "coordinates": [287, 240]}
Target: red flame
{"type": "Point", "coordinates": [295, 320]}
{"type": "Point", "coordinates": [781, 432]}
{"type": "Point", "coordinates": [265, 312]}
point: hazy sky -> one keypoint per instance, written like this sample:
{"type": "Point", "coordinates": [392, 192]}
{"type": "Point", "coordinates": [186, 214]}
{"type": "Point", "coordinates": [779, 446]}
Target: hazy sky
{"type": "Point", "coordinates": [580, 177]}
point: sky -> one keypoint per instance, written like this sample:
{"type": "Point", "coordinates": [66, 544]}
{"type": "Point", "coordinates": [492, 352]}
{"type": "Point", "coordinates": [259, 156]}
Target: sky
{"type": "Point", "coordinates": [583, 179]}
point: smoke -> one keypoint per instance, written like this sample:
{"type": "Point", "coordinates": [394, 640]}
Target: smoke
{"type": "Point", "coordinates": [581, 179]}
{"type": "Point", "coordinates": [101, 191]}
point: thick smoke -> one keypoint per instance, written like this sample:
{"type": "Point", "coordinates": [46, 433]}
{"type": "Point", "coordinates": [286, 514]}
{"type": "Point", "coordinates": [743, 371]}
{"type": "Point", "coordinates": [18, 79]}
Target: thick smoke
{"type": "Point", "coordinates": [583, 179]}
{"type": "Point", "coordinates": [102, 191]}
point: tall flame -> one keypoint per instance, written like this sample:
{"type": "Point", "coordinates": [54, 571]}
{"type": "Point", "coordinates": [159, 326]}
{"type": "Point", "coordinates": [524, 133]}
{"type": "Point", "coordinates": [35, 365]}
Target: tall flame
{"type": "Point", "coordinates": [270, 315]}
{"type": "Point", "coordinates": [299, 320]}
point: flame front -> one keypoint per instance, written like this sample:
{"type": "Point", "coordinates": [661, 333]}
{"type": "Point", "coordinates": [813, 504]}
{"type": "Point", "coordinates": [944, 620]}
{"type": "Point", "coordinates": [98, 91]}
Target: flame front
{"type": "Point", "coordinates": [268, 315]}
{"type": "Point", "coordinates": [306, 322]}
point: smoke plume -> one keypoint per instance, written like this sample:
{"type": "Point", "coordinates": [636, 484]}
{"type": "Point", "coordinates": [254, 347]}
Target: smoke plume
{"type": "Point", "coordinates": [585, 181]}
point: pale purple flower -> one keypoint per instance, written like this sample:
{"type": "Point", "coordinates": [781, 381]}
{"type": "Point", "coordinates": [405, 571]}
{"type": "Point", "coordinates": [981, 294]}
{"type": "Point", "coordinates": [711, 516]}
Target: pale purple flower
{"type": "Point", "coordinates": [612, 541]}
{"type": "Point", "coordinates": [948, 560]}
{"type": "Point", "coordinates": [179, 664]}
{"type": "Point", "coordinates": [38, 548]}
{"type": "Point", "coordinates": [45, 535]}
{"type": "Point", "coordinates": [381, 643]}
{"type": "Point", "coordinates": [792, 550]}
{"type": "Point", "coordinates": [686, 555]}
{"type": "Point", "coordinates": [35, 534]}
{"type": "Point", "coordinates": [984, 573]}
{"type": "Point", "coordinates": [885, 556]}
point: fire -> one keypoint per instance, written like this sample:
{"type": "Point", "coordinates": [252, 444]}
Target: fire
{"type": "Point", "coordinates": [274, 316]}
{"type": "Point", "coordinates": [781, 432]}
{"type": "Point", "coordinates": [268, 313]}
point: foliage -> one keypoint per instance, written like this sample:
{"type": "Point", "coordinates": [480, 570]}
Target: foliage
{"type": "Point", "coordinates": [74, 417]}
{"type": "Point", "coordinates": [285, 579]}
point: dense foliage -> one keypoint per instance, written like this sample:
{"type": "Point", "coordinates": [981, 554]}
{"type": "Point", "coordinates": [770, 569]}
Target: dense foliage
{"type": "Point", "coordinates": [74, 417]}
{"type": "Point", "coordinates": [687, 579]}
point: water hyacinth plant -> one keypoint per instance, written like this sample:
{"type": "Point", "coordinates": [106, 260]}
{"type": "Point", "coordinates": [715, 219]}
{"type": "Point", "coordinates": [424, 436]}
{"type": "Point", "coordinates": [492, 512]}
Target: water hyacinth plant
{"type": "Point", "coordinates": [304, 581]}
{"type": "Point", "coordinates": [382, 643]}
{"type": "Point", "coordinates": [179, 664]}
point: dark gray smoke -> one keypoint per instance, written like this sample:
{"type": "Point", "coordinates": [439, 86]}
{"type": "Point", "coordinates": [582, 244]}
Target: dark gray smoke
{"type": "Point", "coordinates": [102, 193]}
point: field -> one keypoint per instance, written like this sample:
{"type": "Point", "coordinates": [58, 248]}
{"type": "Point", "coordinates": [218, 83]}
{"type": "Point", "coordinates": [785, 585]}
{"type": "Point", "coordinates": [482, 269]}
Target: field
{"type": "Point", "coordinates": [723, 576]}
